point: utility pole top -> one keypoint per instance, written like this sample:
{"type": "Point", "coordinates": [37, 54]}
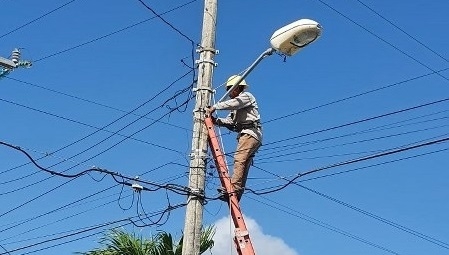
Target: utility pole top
{"type": "Point", "coordinates": [7, 65]}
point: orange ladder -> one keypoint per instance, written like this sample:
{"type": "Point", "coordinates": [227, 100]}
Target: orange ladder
{"type": "Point", "coordinates": [241, 235]}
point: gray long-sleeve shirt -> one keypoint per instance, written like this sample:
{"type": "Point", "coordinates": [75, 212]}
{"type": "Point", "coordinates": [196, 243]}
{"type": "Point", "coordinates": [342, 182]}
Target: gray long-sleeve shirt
{"type": "Point", "coordinates": [244, 110]}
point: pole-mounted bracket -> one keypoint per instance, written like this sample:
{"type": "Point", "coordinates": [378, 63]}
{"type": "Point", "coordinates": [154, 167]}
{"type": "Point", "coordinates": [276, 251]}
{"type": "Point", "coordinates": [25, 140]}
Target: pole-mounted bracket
{"type": "Point", "coordinates": [197, 193]}
{"type": "Point", "coordinates": [198, 154]}
{"type": "Point", "coordinates": [209, 61]}
{"type": "Point", "coordinates": [203, 49]}
{"type": "Point", "coordinates": [204, 88]}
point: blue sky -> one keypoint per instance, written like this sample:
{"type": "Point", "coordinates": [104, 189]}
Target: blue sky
{"type": "Point", "coordinates": [375, 82]}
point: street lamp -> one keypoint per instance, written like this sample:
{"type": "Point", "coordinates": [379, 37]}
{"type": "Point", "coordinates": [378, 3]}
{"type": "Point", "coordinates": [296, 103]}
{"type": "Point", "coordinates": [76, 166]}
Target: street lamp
{"type": "Point", "coordinates": [287, 40]}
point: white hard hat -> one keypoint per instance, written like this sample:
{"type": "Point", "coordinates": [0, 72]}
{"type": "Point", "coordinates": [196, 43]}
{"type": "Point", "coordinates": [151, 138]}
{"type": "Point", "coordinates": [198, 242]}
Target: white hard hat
{"type": "Point", "coordinates": [233, 79]}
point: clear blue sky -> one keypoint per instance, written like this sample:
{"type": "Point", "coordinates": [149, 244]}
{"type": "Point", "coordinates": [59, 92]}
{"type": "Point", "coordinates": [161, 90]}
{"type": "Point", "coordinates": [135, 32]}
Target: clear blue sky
{"type": "Point", "coordinates": [369, 85]}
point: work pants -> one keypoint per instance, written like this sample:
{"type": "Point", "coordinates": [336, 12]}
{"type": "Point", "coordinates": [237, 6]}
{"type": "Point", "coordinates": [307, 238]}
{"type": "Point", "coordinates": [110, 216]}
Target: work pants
{"type": "Point", "coordinates": [246, 148]}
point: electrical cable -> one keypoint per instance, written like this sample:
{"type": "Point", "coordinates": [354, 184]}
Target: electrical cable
{"type": "Point", "coordinates": [403, 31]}
{"type": "Point", "coordinates": [393, 125]}
{"type": "Point", "coordinates": [57, 221]}
{"type": "Point", "coordinates": [317, 222]}
{"type": "Point", "coordinates": [7, 252]}
{"type": "Point", "coordinates": [354, 96]}
{"type": "Point", "coordinates": [373, 165]}
{"type": "Point", "coordinates": [172, 187]}
{"type": "Point", "coordinates": [363, 120]}
{"type": "Point", "coordinates": [36, 19]}
{"type": "Point", "coordinates": [166, 22]}
{"type": "Point", "coordinates": [92, 102]}
{"type": "Point", "coordinates": [379, 218]}
{"type": "Point", "coordinates": [383, 40]}
{"type": "Point", "coordinates": [16, 224]}
{"type": "Point", "coordinates": [369, 214]}
{"type": "Point", "coordinates": [340, 145]}
{"type": "Point", "coordinates": [263, 147]}
{"type": "Point", "coordinates": [112, 33]}
{"type": "Point", "coordinates": [352, 161]}
{"type": "Point", "coordinates": [88, 125]}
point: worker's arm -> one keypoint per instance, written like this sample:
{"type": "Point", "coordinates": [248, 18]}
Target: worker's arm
{"type": "Point", "coordinates": [241, 101]}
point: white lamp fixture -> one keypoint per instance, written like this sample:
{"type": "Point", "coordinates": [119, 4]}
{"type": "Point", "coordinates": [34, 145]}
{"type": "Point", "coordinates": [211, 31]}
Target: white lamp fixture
{"type": "Point", "coordinates": [287, 40]}
{"type": "Point", "coordinates": [295, 36]}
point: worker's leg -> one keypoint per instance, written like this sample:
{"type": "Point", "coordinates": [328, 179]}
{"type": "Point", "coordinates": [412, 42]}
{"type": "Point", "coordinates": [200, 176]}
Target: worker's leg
{"type": "Point", "coordinates": [246, 147]}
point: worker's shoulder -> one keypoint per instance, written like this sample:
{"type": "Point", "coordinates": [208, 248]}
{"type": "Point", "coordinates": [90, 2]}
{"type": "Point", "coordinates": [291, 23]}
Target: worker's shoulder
{"type": "Point", "coordinates": [246, 94]}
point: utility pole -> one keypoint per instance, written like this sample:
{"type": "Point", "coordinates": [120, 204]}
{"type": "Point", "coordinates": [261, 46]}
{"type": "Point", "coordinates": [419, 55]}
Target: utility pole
{"type": "Point", "coordinates": [7, 65]}
{"type": "Point", "coordinates": [197, 171]}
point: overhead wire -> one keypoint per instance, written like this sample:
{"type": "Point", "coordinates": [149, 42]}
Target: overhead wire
{"type": "Point", "coordinates": [363, 120]}
{"type": "Point", "coordinates": [264, 146]}
{"type": "Point", "coordinates": [387, 152]}
{"type": "Point", "coordinates": [113, 33]}
{"type": "Point", "coordinates": [402, 30]}
{"type": "Point", "coordinates": [36, 19]}
{"type": "Point", "coordinates": [379, 218]}
{"type": "Point", "coordinates": [266, 157]}
{"type": "Point", "coordinates": [129, 219]}
{"type": "Point", "coordinates": [91, 102]}
{"type": "Point", "coordinates": [19, 223]}
{"type": "Point", "coordinates": [383, 40]}
{"type": "Point", "coordinates": [354, 96]}
{"type": "Point", "coordinates": [392, 125]}
{"type": "Point", "coordinates": [374, 165]}
{"type": "Point", "coordinates": [297, 214]}
{"type": "Point", "coordinates": [369, 214]}
{"type": "Point", "coordinates": [119, 178]}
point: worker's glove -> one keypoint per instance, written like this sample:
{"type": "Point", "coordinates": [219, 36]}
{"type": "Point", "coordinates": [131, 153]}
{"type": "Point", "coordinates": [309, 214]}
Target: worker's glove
{"type": "Point", "coordinates": [209, 111]}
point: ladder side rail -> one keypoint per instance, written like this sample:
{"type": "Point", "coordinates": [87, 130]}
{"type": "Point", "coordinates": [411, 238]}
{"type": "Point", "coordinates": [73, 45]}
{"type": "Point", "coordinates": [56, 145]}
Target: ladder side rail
{"type": "Point", "coordinates": [242, 240]}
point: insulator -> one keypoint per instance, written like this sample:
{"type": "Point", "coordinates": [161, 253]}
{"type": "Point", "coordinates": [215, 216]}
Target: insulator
{"type": "Point", "coordinates": [15, 56]}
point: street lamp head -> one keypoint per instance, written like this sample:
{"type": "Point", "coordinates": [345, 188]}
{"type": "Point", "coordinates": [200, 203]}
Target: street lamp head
{"type": "Point", "coordinates": [295, 36]}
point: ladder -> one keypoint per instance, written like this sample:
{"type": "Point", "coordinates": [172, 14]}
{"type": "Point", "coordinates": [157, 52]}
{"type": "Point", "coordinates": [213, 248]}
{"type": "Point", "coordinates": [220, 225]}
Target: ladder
{"type": "Point", "coordinates": [242, 240]}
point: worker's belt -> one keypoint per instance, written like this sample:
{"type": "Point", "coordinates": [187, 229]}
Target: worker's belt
{"type": "Point", "coordinates": [254, 124]}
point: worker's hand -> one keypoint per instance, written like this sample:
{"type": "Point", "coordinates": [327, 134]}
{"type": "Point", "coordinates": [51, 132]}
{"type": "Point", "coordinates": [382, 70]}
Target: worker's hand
{"type": "Point", "coordinates": [209, 111]}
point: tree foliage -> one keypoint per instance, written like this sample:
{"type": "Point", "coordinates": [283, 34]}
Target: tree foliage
{"type": "Point", "coordinates": [119, 242]}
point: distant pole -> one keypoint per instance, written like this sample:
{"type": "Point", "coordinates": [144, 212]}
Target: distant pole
{"type": "Point", "coordinates": [7, 65]}
{"type": "Point", "coordinates": [206, 64]}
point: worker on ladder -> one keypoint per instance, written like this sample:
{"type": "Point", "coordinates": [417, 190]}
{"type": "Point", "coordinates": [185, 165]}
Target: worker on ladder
{"type": "Point", "coordinates": [244, 119]}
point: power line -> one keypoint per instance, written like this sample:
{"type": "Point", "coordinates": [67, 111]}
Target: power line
{"type": "Point", "coordinates": [36, 19]}
{"type": "Point", "coordinates": [353, 161]}
{"type": "Point", "coordinates": [374, 165]}
{"type": "Point", "coordinates": [78, 232]}
{"type": "Point", "coordinates": [343, 144]}
{"type": "Point", "coordinates": [363, 120]}
{"type": "Point", "coordinates": [355, 96]}
{"type": "Point", "coordinates": [112, 33]}
{"type": "Point", "coordinates": [402, 30]}
{"type": "Point", "coordinates": [383, 40]}
{"type": "Point", "coordinates": [119, 178]}
{"type": "Point", "coordinates": [87, 125]}
{"type": "Point", "coordinates": [392, 125]}
{"type": "Point", "coordinates": [90, 101]}
{"type": "Point", "coordinates": [369, 214]}
{"type": "Point", "coordinates": [317, 222]}
{"type": "Point", "coordinates": [381, 219]}
{"type": "Point", "coordinates": [168, 23]}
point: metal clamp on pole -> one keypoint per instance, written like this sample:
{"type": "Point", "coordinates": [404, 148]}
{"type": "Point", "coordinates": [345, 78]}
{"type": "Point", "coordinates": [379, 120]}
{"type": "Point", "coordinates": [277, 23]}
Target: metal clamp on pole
{"type": "Point", "coordinates": [206, 61]}
{"type": "Point", "coordinates": [203, 49]}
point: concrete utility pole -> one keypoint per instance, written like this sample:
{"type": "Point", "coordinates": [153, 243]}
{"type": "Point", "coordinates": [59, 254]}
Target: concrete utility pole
{"type": "Point", "coordinates": [206, 64]}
